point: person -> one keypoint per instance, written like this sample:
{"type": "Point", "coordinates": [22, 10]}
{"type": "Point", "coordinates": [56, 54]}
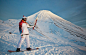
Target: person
{"type": "Point", "coordinates": [23, 28]}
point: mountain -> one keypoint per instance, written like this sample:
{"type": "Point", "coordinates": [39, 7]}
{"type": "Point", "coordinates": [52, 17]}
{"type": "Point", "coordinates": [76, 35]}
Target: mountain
{"type": "Point", "coordinates": [52, 34]}
{"type": "Point", "coordinates": [49, 17]}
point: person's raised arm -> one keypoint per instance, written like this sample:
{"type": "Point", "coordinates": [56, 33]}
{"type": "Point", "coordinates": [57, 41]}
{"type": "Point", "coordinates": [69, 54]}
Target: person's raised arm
{"type": "Point", "coordinates": [29, 26]}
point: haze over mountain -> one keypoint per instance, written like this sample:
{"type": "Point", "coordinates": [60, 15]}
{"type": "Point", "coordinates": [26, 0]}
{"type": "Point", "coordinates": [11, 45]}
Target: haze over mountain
{"type": "Point", "coordinates": [52, 34]}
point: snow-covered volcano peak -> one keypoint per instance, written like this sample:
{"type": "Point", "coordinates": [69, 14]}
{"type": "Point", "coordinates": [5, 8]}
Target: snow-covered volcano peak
{"type": "Point", "coordinates": [45, 11]}
{"type": "Point", "coordinates": [44, 14]}
{"type": "Point", "coordinates": [45, 18]}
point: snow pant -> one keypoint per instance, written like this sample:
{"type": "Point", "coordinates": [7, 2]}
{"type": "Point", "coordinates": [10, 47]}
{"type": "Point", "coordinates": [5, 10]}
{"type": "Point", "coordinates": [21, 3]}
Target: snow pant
{"type": "Point", "coordinates": [24, 37]}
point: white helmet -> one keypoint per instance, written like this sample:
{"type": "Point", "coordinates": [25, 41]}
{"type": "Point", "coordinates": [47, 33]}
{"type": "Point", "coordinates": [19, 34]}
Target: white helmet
{"type": "Point", "coordinates": [23, 17]}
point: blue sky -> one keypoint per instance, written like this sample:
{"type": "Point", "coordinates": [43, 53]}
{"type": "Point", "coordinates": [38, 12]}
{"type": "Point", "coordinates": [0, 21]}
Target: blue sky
{"type": "Point", "coordinates": [71, 10]}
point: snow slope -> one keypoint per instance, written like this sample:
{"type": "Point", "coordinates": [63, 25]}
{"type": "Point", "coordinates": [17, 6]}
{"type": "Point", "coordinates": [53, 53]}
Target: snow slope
{"type": "Point", "coordinates": [52, 34]}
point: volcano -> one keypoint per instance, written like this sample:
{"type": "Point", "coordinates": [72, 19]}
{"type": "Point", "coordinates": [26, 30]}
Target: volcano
{"type": "Point", "coordinates": [46, 18]}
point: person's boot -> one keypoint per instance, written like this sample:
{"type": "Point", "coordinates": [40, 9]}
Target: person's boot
{"type": "Point", "coordinates": [18, 49]}
{"type": "Point", "coordinates": [28, 49]}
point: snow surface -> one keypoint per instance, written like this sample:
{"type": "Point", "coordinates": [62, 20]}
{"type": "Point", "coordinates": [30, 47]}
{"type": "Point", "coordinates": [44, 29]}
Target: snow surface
{"type": "Point", "coordinates": [52, 34]}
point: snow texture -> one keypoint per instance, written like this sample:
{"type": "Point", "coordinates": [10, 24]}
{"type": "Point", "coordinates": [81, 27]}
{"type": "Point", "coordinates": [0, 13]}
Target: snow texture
{"type": "Point", "coordinates": [52, 35]}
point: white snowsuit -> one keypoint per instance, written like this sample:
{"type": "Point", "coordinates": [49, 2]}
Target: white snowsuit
{"type": "Point", "coordinates": [25, 36]}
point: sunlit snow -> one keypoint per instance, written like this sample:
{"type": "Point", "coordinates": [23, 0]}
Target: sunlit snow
{"type": "Point", "coordinates": [52, 35]}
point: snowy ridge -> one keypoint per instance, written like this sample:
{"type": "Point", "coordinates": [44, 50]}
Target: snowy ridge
{"type": "Point", "coordinates": [52, 34]}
